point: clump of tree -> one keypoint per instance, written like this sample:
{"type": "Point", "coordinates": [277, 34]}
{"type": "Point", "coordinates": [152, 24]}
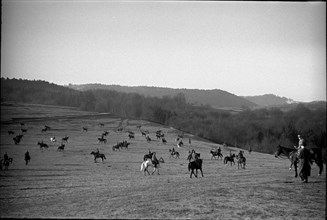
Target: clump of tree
{"type": "Point", "coordinates": [261, 129]}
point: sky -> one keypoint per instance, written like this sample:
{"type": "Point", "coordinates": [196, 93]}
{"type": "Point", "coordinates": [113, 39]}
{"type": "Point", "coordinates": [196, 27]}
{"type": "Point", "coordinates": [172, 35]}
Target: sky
{"type": "Point", "coordinates": [245, 48]}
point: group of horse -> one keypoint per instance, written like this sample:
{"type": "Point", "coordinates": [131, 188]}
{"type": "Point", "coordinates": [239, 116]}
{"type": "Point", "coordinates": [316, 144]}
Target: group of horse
{"type": "Point", "coordinates": [120, 145]}
{"type": "Point", "coordinates": [241, 160]}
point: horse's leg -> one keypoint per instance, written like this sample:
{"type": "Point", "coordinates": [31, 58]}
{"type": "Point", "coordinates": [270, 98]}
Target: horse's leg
{"type": "Point", "coordinates": [320, 164]}
{"type": "Point", "coordinates": [201, 171]}
{"type": "Point", "coordinates": [192, 171]}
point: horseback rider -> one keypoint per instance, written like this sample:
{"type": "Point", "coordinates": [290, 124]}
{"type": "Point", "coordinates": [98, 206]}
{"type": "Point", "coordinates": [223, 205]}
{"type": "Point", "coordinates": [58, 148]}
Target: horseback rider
{"type": "Point", "coordinates": [219, 150]}
{"type": "Point", "coordinates": [97, 152]}
{"type": "Point", "coordinates": [194, 156]}
{"type": "Point", "coordinates": [155, 161]}
{"type": "Point", "coordinates": [173, 151]}
{"type": "Point", "coordinates": [27, 157]}
{"type": "Point", "coordinates": [301, 145]}
{"type": "Point", "coordinates": [5, 157]}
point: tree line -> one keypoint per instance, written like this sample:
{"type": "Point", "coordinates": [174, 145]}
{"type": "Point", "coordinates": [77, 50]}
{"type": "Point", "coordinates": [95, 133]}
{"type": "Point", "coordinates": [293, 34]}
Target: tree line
{"type": "Point", "coordinates": [261, 129]}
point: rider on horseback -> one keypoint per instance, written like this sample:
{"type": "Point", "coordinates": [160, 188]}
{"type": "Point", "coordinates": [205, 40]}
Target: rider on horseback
{"type": "Point", "coordinates": [155, 161]}
{"type": "Point", "coordinates": [5, 157]}
{"type": "Point", "coordinates": [194, 156]}
{"type": "Point", "coordinates": [301, 145]}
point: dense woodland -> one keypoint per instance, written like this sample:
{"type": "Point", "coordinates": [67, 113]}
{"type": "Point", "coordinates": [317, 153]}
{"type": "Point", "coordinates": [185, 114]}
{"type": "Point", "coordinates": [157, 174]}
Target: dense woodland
{"type": "Point", "coordinates": [260, 129]}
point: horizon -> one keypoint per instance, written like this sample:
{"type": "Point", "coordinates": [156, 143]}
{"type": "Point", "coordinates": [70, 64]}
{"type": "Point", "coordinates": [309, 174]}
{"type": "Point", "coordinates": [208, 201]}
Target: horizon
{"type": "Point", "coordinates": [244, 96]}
{"type": "Point", "coordinates": [244, 48]}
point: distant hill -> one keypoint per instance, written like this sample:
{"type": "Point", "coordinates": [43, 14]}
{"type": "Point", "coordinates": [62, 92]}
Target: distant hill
{"type": "Point", "coordinates": [215, 98]}
{"type": "Point", "coordinates": [269, 100]}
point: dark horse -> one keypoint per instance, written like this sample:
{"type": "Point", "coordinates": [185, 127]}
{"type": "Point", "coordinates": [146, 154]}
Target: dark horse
{"type": "Point", "coordinates": [229, 159]}
{"type": "Point", "coordinates": [291, 154]}
{"type": "Point", "coordinates": [195, 165]}
{"type": "Point", "coordinates": [5, 163]}
{"type": "Point", "coordinates": [173, 154]}
{"type": "Point", "coordinates": [98, 155]}
{"type": "Point", "coordinates": [216, 154]}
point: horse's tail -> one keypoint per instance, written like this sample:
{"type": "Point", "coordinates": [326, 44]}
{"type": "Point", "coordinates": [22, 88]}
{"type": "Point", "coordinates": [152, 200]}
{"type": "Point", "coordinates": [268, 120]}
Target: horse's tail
{"type": "Point", "coordinates": [189, 166]}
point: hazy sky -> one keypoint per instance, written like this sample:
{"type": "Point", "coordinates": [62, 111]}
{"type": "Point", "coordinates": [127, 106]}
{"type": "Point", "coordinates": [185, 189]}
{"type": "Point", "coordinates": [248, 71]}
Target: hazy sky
{"type": "Point", "coordinates": [245, 48]}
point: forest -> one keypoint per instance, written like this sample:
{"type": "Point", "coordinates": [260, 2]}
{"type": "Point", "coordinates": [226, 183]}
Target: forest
{"type": "Point", "coordinates": [260, 130]}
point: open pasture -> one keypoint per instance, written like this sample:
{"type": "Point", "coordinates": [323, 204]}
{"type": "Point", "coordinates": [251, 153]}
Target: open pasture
{"type": "Point", "coordinates": [70, 184]}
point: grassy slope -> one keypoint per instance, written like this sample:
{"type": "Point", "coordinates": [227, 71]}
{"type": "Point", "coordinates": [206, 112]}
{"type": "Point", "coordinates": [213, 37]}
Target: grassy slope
{"type": "Point", "coordinates": [69, 184]}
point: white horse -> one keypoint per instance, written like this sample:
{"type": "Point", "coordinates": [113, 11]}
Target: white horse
{"type": "Point", "coordinates": [148, 163]}
{"type": "Point", "coordinates": [53, 139]}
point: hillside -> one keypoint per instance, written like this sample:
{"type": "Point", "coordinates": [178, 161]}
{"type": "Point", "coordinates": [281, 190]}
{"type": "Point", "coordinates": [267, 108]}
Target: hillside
{"type": "Point", "coordinates": [269, 100]}
{"type": "Point", "coordinates": [71, 184]}
{"type": "Point", "coordinates": [215, 98]}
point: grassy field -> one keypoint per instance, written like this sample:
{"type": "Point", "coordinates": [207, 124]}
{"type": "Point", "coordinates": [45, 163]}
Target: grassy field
{"type": "Point", "coordinates": [70, 184]}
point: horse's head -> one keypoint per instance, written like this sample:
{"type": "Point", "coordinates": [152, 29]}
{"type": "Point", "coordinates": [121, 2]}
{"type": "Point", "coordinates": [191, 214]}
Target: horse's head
{"type": "Point", "coordinates": [282, 150]}
{"type": "Point", "coordinates": [278, 151]}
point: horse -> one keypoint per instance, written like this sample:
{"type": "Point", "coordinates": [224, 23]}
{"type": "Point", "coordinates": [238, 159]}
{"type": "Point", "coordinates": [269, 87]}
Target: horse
{"type": "Point", "coordinates": [105, 133]}
{"type": "Point", "coordinates": [195, 165]}
{"type": "Point", "coordinates": [101, 124]}
{"type": "Point", "coordinates": [148, 139]}
{"type": "Point", "coordinates": [5, 163]}
{"type": "Point", "coordinates": [47, 127]}
{"type": "Point", "coordinates": [44, 129]}
{"type": "Point", "coordinates": [180, 144]}
{"type": "Point", "coordinates": [11, 132]}
{"type": "Point", "coordinates": [173, 154]}
{"type": "Point", "coordinates": [53, 139]}
{"type": "Point", "coordinates": [291, 154]}
{"type": "Point", "coordinates": [241, 160]}
{"type": "Point", "coordinates": [98, 155]}
{"type": "Point", "coordinates": [131, 136]}
{"type": "Point", "coordinates": [116, 147]}
{"type": "Point", "coordinates": [125, 144]}
{"type": "Point", "coordinates": [23, 130]}
{"type": "Point", "coordinates": [216, 154]}
{"type": "Point", "coordinates": [16, 139]}
{"type": "Point", "coordinates": [229, 159]}
{"type": "Point", "coordinates": [143, 134]}
{"type": "Point", "coordinates": [27, 158]}
{"type": "Point", "coordinates": [153, 162]}
{"type": "Point", "coordinates": [42, 145]}
{"type": "Point", "coordinates": [146, 164]}
{"type": "Point", "coordinates": [84, 129]}
{"type": "Point", "coordinates": [64, 139]}
{"type": "Point", "coordinates": [164, 140]}
{"type": "Point", "coordinates": [61, 147]}
{"type": "Point", "coordinates": [102, 140]}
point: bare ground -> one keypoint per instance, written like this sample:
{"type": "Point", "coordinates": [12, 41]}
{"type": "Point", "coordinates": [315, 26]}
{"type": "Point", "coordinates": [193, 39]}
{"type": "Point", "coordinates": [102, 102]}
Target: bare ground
{"type": "Point", "coordinates": [70, 184]}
